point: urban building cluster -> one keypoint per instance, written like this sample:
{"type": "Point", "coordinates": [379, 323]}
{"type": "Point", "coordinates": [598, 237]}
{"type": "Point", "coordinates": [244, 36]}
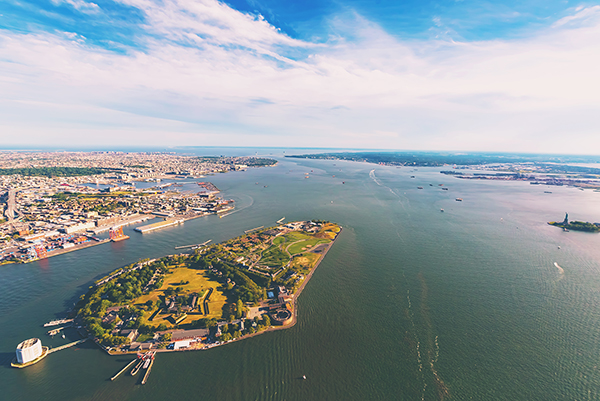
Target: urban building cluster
{"type": "Point", "coordinates": [46, 211]}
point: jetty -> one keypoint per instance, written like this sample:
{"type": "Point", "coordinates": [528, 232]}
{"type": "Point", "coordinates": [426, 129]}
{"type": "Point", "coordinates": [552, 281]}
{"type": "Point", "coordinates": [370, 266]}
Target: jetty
{"type": "Point", "coordinates": [145, 379]}
{"type": "Point", "coordinates": [252, 230]}
{"type": "Point", "coordinates": [193, 245]}
{"type": "Point", "coordinates": [281, 220]}
{"type": "Point", "coordinates": [74, 343]}
{"type": "Point", "coordinates": [123, 370]}
{"type": "Point", "coordinates": [158, 226]}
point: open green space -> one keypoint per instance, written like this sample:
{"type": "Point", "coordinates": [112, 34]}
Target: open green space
{"type": "Point", "coordinates": [305, 245]}
{"type": "Point", "coordinates": [274, 257]}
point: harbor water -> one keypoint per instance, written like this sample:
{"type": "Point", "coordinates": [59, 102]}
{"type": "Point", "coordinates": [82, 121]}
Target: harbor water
{"type": "Point", "coordinates": [411, 303]}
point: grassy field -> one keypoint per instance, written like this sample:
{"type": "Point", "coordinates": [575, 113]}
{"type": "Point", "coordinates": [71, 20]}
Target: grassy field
{"type": "Point", "coordinates": [305, 260]}
{"type": "Point", "coordinates": [305, 245]}
{"type": "Point", "coordinates": [274, 256]}
{"type": "Point", "coordinates": [198, 281]}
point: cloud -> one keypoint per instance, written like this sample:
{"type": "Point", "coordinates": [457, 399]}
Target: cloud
{"type": "Point", "coordinates": [213, 75]}
{"type": "Point", "coordinates": [80, 5]}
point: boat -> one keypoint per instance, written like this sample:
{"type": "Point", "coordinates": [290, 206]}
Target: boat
{"type": "Point", "coordinates": [57, 322]}
{"type": "Point", "coordinates": [419, 187]}
{"type": "Point", "coordinates": [63, 335]}
{"type": "Point", "coordinates": [147, 362]}
{"type": "Point", "coordinates": [459, 199]}
{"type": "Point", "coordinates": [138, 366]}
{"type": "Point", "coordinates": [442, 210]}
{"type": "Point", "coordinates": [445, 189]}
{"type": "Point", "coordinates": [304, 377]}
{"type": "Point", "coordinates": [547, 192]}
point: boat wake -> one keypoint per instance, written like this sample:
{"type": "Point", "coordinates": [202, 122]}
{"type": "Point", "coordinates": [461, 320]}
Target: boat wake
{"type": "Point", "coordinates": [378, 182]}
{"type": "Point", "coordinates": [560, 269]}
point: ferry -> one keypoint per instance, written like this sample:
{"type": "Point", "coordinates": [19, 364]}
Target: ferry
{"type": "Point", "coordinates": [139, 365]}
{"type": "Point", "coordinates": [57, 322]}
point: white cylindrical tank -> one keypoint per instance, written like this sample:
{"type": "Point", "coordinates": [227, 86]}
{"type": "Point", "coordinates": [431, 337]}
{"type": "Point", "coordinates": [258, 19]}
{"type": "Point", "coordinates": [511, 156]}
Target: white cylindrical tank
{"type": "Point", "coordinates": [29, 350]}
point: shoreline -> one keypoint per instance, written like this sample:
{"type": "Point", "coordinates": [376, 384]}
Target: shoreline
{"type": "Point", "coordinates": [271, 328]}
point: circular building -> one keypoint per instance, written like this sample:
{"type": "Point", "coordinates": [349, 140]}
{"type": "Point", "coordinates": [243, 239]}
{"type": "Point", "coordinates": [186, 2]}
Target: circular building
{"type": "Point", "coordinates": [29, 350]}
{"type": "Point", "coordinates": [281, 317]}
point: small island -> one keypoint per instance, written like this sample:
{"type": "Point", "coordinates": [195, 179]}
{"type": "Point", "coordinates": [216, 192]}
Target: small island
{"type": "Point", "coordinates": [209, 297]}
{"type": "Point", "coordinates": [576, 225]}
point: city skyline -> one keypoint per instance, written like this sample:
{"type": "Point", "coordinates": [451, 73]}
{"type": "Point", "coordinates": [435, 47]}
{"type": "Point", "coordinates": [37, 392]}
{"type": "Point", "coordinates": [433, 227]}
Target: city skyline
{"type": "Point", "coordinates": [435, 75]}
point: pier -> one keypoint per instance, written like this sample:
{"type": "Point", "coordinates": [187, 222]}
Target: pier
{"type": "Point", "coordinates": [252, 230]}
{"type": "Point", "coordinates": [123, 370]}
{"type": "Point", "coordinates": [193, 245]}
{"type": "Point", "coordinates": [51, 350]}
{"type": "Point", "coordinates": [148, 370]}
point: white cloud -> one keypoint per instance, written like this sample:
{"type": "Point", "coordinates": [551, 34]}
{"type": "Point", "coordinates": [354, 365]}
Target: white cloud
{"type": "Point", "coordinates": [80, 5]}
{"type": "Point", "coordinates": [213, 75]}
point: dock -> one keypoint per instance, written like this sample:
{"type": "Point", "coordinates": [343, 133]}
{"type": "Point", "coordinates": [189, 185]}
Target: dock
{"type": "Point", "coordinates": [54, 332]}
{"type": "Point", "coordinates": [193, 245]}
{"type": "Point", "coordinates": [158, 226]}
{"type": "Point", "coordinates": [67, 345]}
{"type": "Point", "coordinates": [281, 220]}
{"type": "Point", "coordinates": [123, 370]}
{"type": "Point", "coordinates": [252, 230]}
{"type": "Point", "coordinates": [148, 371]}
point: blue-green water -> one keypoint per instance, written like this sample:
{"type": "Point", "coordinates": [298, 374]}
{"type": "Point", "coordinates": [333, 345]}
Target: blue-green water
{"type": "Point", "coordinates": [410, 303]}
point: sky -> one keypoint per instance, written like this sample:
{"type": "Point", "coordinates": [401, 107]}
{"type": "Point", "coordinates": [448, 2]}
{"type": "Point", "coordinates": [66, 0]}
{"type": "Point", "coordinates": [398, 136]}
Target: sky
{"type": "Point", "coordinates": [464, 75]}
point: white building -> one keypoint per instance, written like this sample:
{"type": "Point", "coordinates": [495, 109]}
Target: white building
{"type": "Point", "coordinates": [29, 350]}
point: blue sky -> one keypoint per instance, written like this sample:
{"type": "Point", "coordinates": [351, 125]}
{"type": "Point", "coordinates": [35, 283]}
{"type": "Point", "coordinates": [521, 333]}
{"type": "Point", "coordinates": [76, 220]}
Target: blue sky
{"type": "Point", "coordinates": [431, 75]}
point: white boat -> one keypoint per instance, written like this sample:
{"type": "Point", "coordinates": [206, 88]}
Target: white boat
{"type": "Point", "coordinates": [57, 322]}
{"type": "Point", "coordinates": [304, 377]}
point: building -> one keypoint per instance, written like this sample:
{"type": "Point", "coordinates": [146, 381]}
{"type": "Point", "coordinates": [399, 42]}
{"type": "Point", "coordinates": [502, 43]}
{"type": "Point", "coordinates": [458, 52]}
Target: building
{"type": "Point", "coordinates": [29, 350]}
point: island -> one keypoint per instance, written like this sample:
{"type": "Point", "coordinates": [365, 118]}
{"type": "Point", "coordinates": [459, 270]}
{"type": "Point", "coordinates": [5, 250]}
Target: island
{"type": "Point", "coordinates": [576, 225]}
{"type": "Point", "coordinates": [208, 297]}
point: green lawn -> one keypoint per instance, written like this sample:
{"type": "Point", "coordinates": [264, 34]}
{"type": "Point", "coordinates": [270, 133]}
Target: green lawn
{"type": "Point", "coordinates": [306, 245]}
{"type": "Point", "coordinates": [274, 257]}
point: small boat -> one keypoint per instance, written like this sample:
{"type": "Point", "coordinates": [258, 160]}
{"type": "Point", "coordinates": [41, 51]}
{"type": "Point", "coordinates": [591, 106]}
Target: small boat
{"type": "Point", "coordinates": [303, 377]}
{"type": "Point", "coordinates": [63, 335]}
{"type": "Point", "coordinates": [419, 187]}
{"type": "Point", "coordinates": [442, 210]}
{"type": "Point", "coordinates": [445, 189]}
{"type": "Point", "coordinates": [459, 199]}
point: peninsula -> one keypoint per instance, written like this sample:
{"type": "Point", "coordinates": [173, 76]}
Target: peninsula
{"type": "Point", "coordinates": [211, 296]}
